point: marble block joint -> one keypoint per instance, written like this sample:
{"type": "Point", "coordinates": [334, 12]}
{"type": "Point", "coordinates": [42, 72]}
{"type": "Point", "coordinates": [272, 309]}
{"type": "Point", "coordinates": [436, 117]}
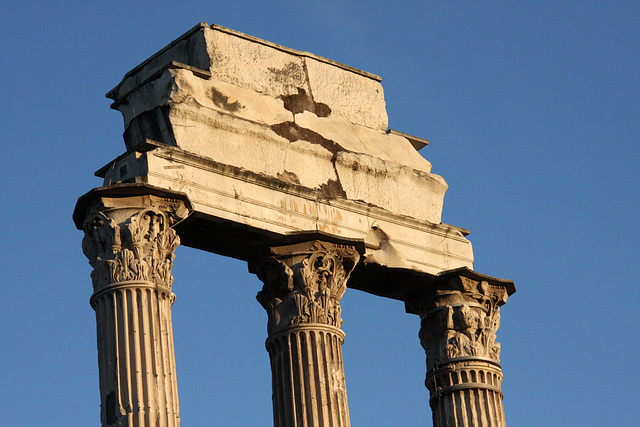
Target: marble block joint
{"type": "Point", "coordinates": [284, 159]}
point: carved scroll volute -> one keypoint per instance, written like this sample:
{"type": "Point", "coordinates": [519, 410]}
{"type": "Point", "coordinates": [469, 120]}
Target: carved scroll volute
{"type": "Point", "coordinates": [138, 248]}
{"type": "Point", "coordinates": [461, 320]}
{"type": "Point", "coordinates": [305, 287]}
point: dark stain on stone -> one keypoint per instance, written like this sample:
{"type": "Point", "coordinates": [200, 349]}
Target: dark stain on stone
{"type": "Point", "coordinates": [298, 103]}
{"type": "Point", "coordinates": [223, 101]}
{"type": "Point", "coordinates": [288, 74]}
{"type": "Point", "coordinates": [293, 132]}
{"type": "Point", "coordinates": [301, 102]}
{"type": "Point", "coordinates": [331, 190]}
{"type": "Point", "coordinates": [110, 412]}
{"type": "Point", "coordinates": [322, 110]}
{"type": "Point", "coordinates": [288, 177]}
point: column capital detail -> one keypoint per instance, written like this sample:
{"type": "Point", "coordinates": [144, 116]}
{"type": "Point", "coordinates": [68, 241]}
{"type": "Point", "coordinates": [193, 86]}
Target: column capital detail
{"type": "Point", "coordinates": [128, 238]}
{"type": "Point", "coordinates": [460, 316]}
{"type": "Point", "coordinates": [303, 283]}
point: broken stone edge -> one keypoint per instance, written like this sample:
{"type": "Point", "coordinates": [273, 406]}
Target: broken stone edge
{"type": "Point", "coordinates": [116, 95]}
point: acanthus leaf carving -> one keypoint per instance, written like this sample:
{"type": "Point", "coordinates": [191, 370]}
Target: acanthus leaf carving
{"type": "Point", "coordinates": [305, 288]}
{"type": "Point", "coordinates": [141, 248]}
{"type": "Point", "coordinates": [461, 321]}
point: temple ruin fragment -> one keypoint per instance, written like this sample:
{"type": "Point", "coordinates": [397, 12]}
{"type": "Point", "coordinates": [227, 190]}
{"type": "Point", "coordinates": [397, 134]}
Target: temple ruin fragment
{"type": "Point", "coordinates": [283, 159]}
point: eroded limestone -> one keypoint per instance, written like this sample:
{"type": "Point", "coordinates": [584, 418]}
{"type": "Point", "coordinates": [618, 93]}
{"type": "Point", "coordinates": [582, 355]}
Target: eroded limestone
{"type": "Point", "coordinates": [254, 96]}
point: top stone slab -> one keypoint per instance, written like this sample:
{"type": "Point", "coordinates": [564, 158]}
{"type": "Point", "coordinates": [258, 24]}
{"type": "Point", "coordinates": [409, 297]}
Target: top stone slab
{"type": "Point", "coordinates": [290, 117]}
{"type": "Point", "coordinates": [267, 68]}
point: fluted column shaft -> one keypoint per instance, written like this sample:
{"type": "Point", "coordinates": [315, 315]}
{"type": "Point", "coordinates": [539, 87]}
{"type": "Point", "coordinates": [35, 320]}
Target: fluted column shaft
{"type": "Point", "coordinates": [466, 393]}
{"type": "Point", "coordinates": [136, 356]}
{"type": "Point", "coordinates": [303, 285]}
{"type": "Point", "coordinates": [130, 245]}
{"type": "Point", "coordinates": [459, 320]}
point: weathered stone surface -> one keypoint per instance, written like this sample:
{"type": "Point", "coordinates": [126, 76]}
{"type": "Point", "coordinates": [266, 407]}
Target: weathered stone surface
{"type": "Point", "coordinates": [266, 68]}
{"type": "Point", "coordinates": [394, 185]}
{"type": "Point", "coordinates": [268, 147]}
{"type": "Point", "coordinates": [282, 141]}
{"type": "Point", "coordinates": [360, 139]}
{"type": "Point", "coordinates": [255, 96]}
{"type": "Point", "coordinates": [252, 63]}
{"type": "Point", "coordinates": [283, 207]}
{"type": "Point", "coordinates": [182, 86]}
{"type": "Point", "coordinates": [339, 88]}
{"type": "Point", "coordinates": [280, 72]}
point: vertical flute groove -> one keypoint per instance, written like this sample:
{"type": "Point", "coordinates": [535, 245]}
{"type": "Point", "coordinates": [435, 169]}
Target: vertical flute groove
{"type": "Point", "coordinates": [136, 367]}
{"type": "Point", "coordinates": [308, 387]}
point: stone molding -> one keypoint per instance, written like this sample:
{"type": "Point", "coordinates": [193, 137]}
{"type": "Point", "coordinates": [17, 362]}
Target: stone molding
{"type": "Point", "coordinates": [265, 211]}
{"type": "Point", "coordinates": [304, 286]}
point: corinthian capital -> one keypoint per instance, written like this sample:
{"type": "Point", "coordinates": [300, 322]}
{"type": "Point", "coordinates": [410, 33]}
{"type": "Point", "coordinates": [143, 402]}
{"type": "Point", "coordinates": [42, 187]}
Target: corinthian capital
{"type": "Point", "coordinates": [128, 235]}
{"type": "Point", "coordinates": [460, 316]}
{"type": "Point", "coordinates": [303, 283]}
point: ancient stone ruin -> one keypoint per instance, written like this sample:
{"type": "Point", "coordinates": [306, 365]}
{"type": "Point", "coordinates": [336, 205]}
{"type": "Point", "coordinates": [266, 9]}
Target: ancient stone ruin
{"type": "Point", "coordinates": [284, 159]}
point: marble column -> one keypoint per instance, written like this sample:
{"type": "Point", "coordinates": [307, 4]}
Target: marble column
{"type": "Point", "coordinates": [130, 245]}
{"type": "Point", "coordinates": [460, 315]}
{"type": "Point", "coordinates": [303, 284]}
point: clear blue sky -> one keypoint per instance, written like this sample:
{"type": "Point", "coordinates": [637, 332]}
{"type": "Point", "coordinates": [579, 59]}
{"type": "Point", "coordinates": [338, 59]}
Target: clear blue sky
{"type": "Point", "coordinates": [533, 113]}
